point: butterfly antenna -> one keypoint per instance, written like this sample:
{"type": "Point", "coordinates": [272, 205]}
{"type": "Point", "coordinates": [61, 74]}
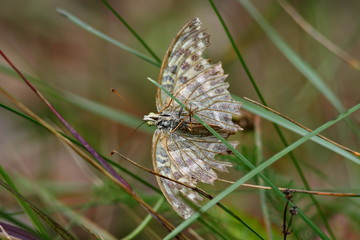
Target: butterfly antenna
{"type": "Point", "coordinates": [113, 90]}
{"type": "Point", "coordinates": [127, 138]}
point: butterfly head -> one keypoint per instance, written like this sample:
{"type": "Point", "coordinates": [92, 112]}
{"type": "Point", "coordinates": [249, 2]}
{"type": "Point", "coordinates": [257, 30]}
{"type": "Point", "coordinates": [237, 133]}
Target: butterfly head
{"type": "Point", "coordinates": [151, 119]}
{"type": "Point", "coordinates": [162, 121]}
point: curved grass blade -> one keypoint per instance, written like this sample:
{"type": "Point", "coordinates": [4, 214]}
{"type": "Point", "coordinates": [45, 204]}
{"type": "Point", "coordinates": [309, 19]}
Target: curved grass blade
{"type": "Point", "coordinates": [106, 3]}
{"type": "Point", "coordinates": [52, 223]}
{"type": "Point", "coordinates": [92, 30]}
{"type": "Point", "coordinates": [32, 216]}
{"type": "Point", "coordinates": [251, 107]}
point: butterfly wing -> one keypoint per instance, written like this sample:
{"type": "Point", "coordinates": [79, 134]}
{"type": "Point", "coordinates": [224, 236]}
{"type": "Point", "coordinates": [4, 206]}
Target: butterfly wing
{"type": "Point", "coordinates": [188, 44]}
{"type": "Point", "coordinates": [196, 82]}
{"type": "Point", "coordinates": [187, 159]}
{"type": "Point", "coordinates": [171, 190]}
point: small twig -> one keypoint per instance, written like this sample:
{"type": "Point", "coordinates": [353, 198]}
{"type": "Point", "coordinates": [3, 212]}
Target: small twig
{"type": "Point", "coordinates": [284, 228]}
{"type": "Point", "coordinates": [334, 194]}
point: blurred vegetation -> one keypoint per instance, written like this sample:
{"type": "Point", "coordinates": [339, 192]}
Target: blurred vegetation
{"type": "Point", "coordinates": [71, 65]}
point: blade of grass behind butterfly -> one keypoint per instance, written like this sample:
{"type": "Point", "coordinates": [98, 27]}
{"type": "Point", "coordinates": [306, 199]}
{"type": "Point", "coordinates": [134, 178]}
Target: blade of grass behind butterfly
{"type": "Point", "coordinates": [257, 170]}
{"type": "Point", "coordinates": [29, 212]}
{"type": "Point", "coordinates": [258, 110]}
{"type": "Point", "coordinates": [136, 35]}
{"type": "Point", "coordinates": [92, 30]}
{"type": "Point", "coordinates": [259, 158]}
{"type": "Point", "coordinates": [297, 62]}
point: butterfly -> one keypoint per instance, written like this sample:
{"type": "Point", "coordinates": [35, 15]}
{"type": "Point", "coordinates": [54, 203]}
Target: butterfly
{"type": "Point", "coordinates": [182, 148]}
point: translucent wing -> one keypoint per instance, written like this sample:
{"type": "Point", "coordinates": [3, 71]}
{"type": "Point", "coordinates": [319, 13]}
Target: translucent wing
{"type": "Point", "coordinates": [187, 159]}
{"type": "Point", "coordinates": [195, 81]}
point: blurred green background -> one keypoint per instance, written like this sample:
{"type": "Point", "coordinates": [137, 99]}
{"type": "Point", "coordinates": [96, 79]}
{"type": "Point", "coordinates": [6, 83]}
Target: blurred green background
{"type": "Point", "coordinates": [47, 46]}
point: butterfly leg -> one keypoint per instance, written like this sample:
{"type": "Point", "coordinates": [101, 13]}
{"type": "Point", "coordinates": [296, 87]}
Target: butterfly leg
{"type": "Point", "coordinates": [191, 112]}
{"type": "Point", "coordinates": [179, 115]}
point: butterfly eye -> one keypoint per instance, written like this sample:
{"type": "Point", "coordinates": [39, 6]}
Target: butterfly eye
{"type": "Point", "coordinates": [150, 123]}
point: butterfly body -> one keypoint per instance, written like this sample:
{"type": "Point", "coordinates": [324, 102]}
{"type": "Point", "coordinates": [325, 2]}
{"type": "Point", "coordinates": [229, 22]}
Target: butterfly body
{"type": "Point", "coordinates": [183, 149]}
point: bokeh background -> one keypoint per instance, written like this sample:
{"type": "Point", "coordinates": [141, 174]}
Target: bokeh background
{"type": "Point", "coordinates": [46, 45]}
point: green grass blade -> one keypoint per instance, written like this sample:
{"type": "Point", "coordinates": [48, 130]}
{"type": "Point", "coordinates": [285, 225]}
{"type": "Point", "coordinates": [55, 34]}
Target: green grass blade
{"type": "Point", "coordinates": [92, 30]}
{"type": "Point", "coordinates": [238, 54]}
{"type": "Point", "coordinates": [263, 197]}
{"type": "Point", "coordinates": [136, 35]}
{"type": "Point", "coordinates": [144, 223]}
{"type": "Point", "coordinates": [31, 214]}
{"type": "Point", "coordinates": [53, 224]}
{"type": "Point", "coordinates": [251, 107]}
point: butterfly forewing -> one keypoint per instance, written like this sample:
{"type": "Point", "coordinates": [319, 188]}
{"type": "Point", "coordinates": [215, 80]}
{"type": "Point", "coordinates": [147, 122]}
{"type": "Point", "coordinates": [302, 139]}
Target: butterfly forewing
{"type": "Point", "coordinates": [186, 48]}
{"type": "Point", "coordinates": [183, 149]}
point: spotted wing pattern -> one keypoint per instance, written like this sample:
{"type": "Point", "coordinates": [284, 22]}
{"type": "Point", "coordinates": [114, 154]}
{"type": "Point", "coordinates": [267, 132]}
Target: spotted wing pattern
{"type": "Point", "coordinates": [188, 160]}
{"type": "Point", "coordinates": [187, 154]}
